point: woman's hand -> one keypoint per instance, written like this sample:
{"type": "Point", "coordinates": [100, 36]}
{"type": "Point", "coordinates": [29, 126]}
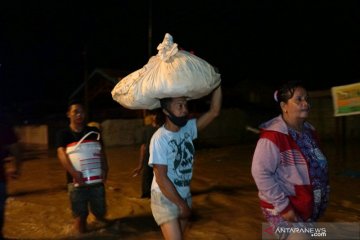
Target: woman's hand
{"type": "Point", "coordinates": [290, 216]}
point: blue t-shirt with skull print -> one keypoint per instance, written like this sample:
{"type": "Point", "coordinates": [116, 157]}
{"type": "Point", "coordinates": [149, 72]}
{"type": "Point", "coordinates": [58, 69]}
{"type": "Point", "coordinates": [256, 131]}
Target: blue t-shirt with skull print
{"type": "Point", "coordinates": [176, 150]}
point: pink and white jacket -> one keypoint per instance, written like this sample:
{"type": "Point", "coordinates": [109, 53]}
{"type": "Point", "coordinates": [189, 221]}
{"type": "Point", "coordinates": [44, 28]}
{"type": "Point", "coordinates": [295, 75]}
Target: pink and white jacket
{"type": "Point", "coordinates": [281, 171]}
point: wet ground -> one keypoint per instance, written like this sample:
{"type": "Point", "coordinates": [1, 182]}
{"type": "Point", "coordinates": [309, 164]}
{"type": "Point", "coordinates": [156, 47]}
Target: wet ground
{"type": "Point", "coordinates": [224, 197]}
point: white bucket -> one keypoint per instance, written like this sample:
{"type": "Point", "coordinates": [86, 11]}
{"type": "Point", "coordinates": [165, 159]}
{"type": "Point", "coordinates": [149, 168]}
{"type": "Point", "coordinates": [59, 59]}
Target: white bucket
{"type": "Point", "coordinates": [85, 156]}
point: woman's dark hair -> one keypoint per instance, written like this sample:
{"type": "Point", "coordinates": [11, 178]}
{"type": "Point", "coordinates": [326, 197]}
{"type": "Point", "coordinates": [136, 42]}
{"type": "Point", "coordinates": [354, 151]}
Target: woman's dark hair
{"type": "Point", "coordinates": [287, 90]}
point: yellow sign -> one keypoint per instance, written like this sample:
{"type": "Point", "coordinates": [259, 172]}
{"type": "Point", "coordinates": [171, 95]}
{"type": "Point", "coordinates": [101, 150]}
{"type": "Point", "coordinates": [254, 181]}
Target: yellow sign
{"type": "Point", "coordinates": [346, 99]}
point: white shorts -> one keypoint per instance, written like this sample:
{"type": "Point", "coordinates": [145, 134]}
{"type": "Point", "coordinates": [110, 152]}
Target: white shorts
{"type": "Point", "coordinates": [163, 209]}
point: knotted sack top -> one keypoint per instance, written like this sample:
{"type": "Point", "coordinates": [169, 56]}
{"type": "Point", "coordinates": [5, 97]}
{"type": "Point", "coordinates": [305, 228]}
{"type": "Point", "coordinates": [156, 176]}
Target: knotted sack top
{"type": "Point", "coordinates": [170, 73]}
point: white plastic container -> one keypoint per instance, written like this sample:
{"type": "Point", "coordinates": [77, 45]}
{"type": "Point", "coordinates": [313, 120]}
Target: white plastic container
{"type": "Point", "coordinates": [85, 156]}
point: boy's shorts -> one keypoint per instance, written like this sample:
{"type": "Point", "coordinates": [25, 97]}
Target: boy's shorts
{"type": "Point", "coordinates": [92, 196]}
{"type": "Point", "coordinates": [163, 209]}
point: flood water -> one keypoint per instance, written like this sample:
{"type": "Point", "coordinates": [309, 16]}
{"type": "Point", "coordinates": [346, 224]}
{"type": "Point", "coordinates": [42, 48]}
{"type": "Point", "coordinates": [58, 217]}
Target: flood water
{"type": "Point", "coordinates": [225, 201]}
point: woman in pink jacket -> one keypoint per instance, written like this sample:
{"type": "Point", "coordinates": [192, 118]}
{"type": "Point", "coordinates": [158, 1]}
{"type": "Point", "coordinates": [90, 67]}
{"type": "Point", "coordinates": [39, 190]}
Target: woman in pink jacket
{"type": "Point", "coordinates": [289, 169]}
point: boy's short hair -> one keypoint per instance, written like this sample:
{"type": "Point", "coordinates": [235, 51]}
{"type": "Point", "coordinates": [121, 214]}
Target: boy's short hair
{"type": "Point", "coordinates": [165, 102]}
{"type": "Point", "coordinates": [74, 101]}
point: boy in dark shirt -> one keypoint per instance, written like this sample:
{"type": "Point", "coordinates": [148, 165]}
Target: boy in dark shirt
{"type": "Point", "coordinates": [156, 120]}
{"type": "Point", "coordinates": [83, 195]}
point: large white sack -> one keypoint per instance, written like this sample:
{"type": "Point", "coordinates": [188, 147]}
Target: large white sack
{"type": "Point", "coordinates": [171, 73]}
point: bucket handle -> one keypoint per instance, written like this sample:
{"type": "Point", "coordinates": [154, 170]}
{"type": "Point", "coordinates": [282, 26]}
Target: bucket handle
{"type": "Point", "coordinates": [85, 136]}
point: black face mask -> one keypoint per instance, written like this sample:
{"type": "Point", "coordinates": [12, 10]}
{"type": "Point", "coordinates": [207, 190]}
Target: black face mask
{"type": "Point", "coordinates": [178, 121]}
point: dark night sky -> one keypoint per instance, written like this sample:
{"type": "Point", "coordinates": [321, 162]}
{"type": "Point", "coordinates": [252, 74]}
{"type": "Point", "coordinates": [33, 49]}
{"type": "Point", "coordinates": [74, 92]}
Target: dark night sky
{"type": "Point", "coordinates": [42, 42]}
